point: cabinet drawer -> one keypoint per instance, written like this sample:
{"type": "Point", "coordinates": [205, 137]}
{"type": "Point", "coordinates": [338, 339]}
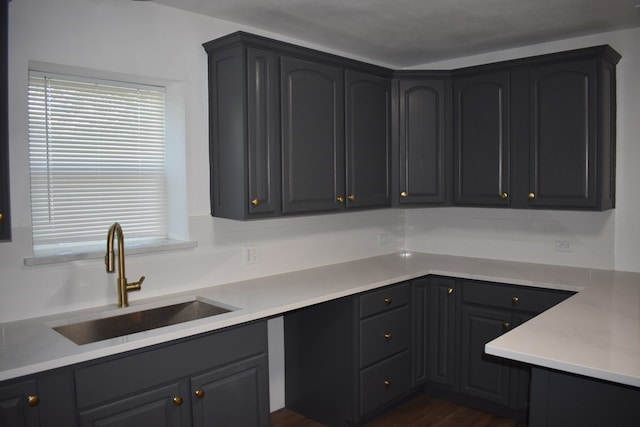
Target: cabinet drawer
{"type": "Point", "coordinates": [384, 382]}
{"type": "Point", "coordinates": [384, 299]}
{"type": "Point", "coordinates": [383, 335]}
{"type": "Point", "coordinates": [514, 297]}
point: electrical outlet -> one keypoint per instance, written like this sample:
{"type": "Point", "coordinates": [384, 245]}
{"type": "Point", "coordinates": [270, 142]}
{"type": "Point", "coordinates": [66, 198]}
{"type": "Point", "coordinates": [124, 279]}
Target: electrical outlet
{"type": "Point", "coordinates": [250, 254]}
{"type": "Point", "coordinates": [383, 238]}
{"type": "Point", "coordinates": [564, 246]}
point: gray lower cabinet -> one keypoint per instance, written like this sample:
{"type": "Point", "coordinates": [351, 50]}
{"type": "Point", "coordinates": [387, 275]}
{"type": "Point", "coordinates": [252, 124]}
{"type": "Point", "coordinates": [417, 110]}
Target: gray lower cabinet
{"type": "Point", "coordinates": [348, 359]}
{"type": "Point", "coordinates": [19, 404]}
{"type": "Point", "coordinates": [560, 399]}
{"type": "Point", "coordinates": [453, 320]}
{"type": "Point", "coordinates": [220, 378]}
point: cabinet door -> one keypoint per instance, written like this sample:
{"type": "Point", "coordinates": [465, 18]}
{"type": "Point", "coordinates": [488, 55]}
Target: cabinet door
{"type": "Point", "coordinates": [483, 375]}
{"type": "Point", "coordinates": [422, 128]}
{"type": "Point", "coordinates": [5, 220]}
{"type": "Point", "coordinates": [482, 139]}
{"type": "Point", "coordinates": [367, 140]}
{"type": "Point", "coordinates": [159, 407]}
{"type": "Point", "coordinates": [263, 133]}
{"type": "Point", "coordinates": [442, 355]}
{"type": "Point", "coordinates": [563, 135]}
{"type": "Point", "coordinates": [17, 407]}
{"type": "Point", "coordinates": [312, 98]}
{"type": "Point", "coordinates": [235, 395]}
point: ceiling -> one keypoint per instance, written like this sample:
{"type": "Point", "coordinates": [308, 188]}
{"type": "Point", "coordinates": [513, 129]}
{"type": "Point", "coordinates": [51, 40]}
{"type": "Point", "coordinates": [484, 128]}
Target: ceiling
{"type": "Point", "coordinates": [404, 33]}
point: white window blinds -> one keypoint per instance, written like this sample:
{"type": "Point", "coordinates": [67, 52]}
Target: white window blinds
{"type": "Point", "coordinates": [97, 155]}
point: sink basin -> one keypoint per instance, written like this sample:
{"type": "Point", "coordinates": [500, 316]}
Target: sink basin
{"type": "Point", "coordinates": [94, 330]}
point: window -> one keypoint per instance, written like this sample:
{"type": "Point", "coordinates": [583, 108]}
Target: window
{"type": "Point", "coordinates": [97, 155]}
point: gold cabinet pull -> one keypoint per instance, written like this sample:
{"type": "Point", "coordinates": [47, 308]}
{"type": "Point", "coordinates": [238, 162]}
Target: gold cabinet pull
{"type": "Point", "coordinates": [351, 197]}
{"type": "Point", "coordinates": [177, 401]}
{"type": "Point", "coordinates": [340, 199]}
{"type": "Point", "coordinates": [387, 336]}
{"type": "Point", "coordinates": [504, 195]}
{"type": "Point", "coordinates": [388, 300]}
{"type": "Point", "coordinates": [515, 300]}
{"type": "Point", "coordinates": [199, 393]}
{"type": "Point", "coordinates": [449, 291]}
{"type": "Point", "coordinates": [532, 196]}
{"type": "Point", "coordinates": [506, 325]}
{"type": "Point", "coordinates": [33, 401]}
{"type": "Point", "coordinates": [404, 194]}
{"type": "Point", "coordinates": [1, 217]}
{"type": "Point", "coordinates": [387, 384]}
{"type": "Point", "coordinates": [255, 202]}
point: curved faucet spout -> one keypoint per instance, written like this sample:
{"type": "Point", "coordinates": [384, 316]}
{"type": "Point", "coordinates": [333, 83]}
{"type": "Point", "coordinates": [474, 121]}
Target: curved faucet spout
{"type": "Point", "coordinates": [123, 287]}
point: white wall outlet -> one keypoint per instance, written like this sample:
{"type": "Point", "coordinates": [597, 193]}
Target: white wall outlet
{"type": "Point", "coordinates": [383, 238]}
{"type": "Point", "coordinates": [564, 246]}
{"type": "Point", "coordinates": [250, 254]}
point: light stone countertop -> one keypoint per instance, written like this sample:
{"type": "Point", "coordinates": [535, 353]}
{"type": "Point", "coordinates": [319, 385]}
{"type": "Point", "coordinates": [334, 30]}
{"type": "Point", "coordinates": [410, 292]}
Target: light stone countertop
{"type": "Point", "coordinates": [594, 333]}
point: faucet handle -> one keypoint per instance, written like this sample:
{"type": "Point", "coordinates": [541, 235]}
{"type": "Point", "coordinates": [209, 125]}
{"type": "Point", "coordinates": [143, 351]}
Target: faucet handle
{"type": "Point", "coordinates": [135, 286]}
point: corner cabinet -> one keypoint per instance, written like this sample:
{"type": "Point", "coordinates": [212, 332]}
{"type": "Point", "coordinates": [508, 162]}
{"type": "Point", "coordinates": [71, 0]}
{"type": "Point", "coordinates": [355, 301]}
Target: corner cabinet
{"type": "Point", "coordinates": [537, 132]}
{"type": "Point", "coordinates": [5, 208]}
{"type": "Point", "coordinates": [294, 131]}
{"type": "Point", "coordinates": [422, 138]}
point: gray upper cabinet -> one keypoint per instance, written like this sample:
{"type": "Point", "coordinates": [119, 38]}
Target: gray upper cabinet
{"type": "Point", "coordinates": [572, 111]}
{"type": "Point", "coordinates": [423, 144]}
{"type": "Point", "coordinates": [537, 132]}
{"type": "Point", "coordinates": [481, 139]}
{"type": "Point", "coordinates": [293, 130]}
{"type": "Point", "coordinates": [5, 209]}
{"type": "Point", "coordinates": [367, 139]}
{"type": "Point", "coordinates": [312, 136]}
{"type": "Point", "coordinates": [244, 133]}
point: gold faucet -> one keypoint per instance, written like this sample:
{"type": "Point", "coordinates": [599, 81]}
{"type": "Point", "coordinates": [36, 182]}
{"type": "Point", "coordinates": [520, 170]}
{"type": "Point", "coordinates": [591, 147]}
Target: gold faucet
{"type": "Point", "coordinates": [123, 286]}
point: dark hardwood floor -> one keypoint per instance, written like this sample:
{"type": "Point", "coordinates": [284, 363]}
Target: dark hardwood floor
{"type": "Point", "coordinates": [422, 411]}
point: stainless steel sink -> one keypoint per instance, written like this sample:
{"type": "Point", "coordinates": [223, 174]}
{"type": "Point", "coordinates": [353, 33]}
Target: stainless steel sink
{"type": "Point", "coordinates": [94, 330]}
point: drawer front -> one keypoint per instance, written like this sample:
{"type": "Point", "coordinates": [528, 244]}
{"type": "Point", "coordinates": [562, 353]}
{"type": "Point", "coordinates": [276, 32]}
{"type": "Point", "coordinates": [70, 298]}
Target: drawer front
{"type": "Point", "coordinates": [384, 382]}
{"type": "Point", "coordinates": [513, 297]}
{"type": "Point", "coordinates": [384, 299]}
{"type": "Point", "coordinates": [383, 335]}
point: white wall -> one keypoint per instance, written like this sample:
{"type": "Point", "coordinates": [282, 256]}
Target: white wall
{"type": "Point", "coordinates": [149, 40]}
{"type": "Point", "coordinates": [600, 239]}
{"type": "Point", "coordinates": [146, 39]}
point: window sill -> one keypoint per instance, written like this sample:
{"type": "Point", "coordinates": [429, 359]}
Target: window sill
{"type": "Point", "coordinates": [98, 251]}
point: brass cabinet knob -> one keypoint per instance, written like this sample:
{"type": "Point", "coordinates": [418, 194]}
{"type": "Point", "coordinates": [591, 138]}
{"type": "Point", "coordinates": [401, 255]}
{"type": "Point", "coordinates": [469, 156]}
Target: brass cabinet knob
{"type": "Point", "coordinates": [506, 325]}
{"type": "Point", "coordinates": [1, 217]}
{"type": "Point", "coordinates": [532, 196]}
{"type": "Point", "coordinates": [340, 199]}
{"type": "Point", "coordinates": [387, 384]}
{"type": "Point", "coordinates": [351, 197]}
{"type": "Point", "coordinates": [515, 300]}
{"type": "Point", "coordinates": [388, 300]}
{"type": "Point", "coordinates": [177, 401]}
{"type": "Point", "coordinates": [199, 393]}
{"type": "Point", "coordinates": [255, 202]}
{"type": "Point", "coordinates": [449, 291]}
{"type": "Point", "coordinates": [504, 195]}
{"type": "Point", "coordinates": [387, 336]}
{"type": "Point", "coordinates": [404, 194]}
{"type": "Point", "coordinates": [33, 401]}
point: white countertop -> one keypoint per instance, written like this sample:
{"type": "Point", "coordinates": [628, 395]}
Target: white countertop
{"type": "Point", "coordinates": [594, 333]}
